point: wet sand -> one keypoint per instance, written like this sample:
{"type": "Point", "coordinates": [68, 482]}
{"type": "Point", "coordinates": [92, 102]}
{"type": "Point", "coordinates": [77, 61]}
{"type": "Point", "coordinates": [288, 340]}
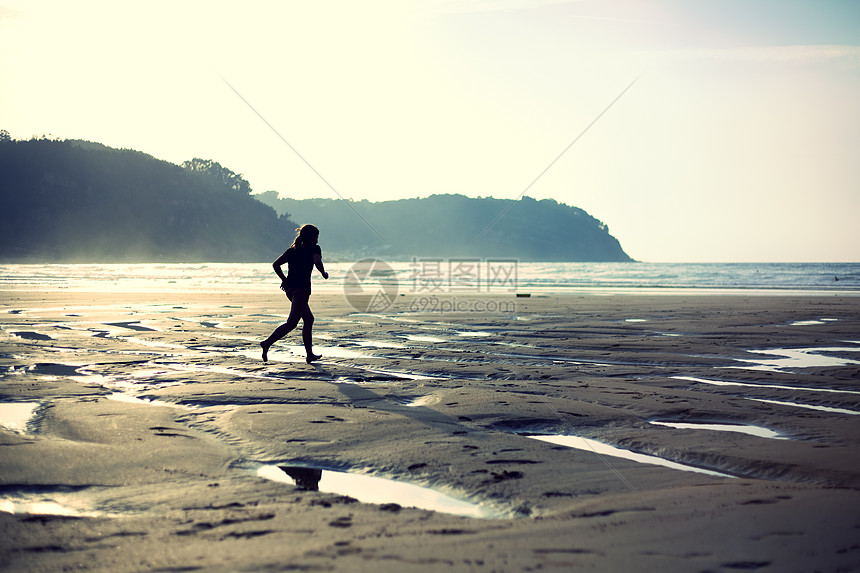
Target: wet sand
{"type": "Point", "coordinates": [146, 418]}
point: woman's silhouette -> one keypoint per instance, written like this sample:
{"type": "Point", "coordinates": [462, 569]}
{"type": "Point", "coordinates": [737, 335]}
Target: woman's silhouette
{"type": "Point", "coordinates": [301, 258]}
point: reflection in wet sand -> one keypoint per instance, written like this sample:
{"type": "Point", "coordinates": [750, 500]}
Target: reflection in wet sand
{"type": "Point", "coordinates": [370, 489]}
{"type": "Point", "coordinates": [305, 478]}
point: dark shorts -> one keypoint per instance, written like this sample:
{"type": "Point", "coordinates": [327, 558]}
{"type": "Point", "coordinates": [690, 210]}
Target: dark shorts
{"type": "Point", "coordinates": [291, 292]}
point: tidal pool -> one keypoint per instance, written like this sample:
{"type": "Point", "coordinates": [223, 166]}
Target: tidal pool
{"type": "Point", "coordinates": [129, 399]}
{"type": "Point", "coordinates": [371, 343]}
{"type": "Point", "coordinates": [64, 504]}
{"type": "Point", "coordinates": [757, 431]}
{"type": "Point", "coordinates": [15, 415]}
{"type": "Point", "coordinates": [600, 448]}
{"type": "Point", "coordinates": [813, 322]}
{"type": "Point", "coordinates": [423, 338]}
{"type": "Point", "coordinates": [776, 386]}
{"type": "Point", "coordinates": [281, 353]}
{"type": "Point", "coordinates": [808, 406]}
{"type": "Point", "coordinates": [780, 402]}
{"type": "Point", "coordinates": [370, 489]}
{"type": "Point", "coordinates": [783, 358]}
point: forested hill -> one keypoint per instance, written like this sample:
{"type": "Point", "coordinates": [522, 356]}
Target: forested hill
{"type": "Point", "coordinates": [73, 201]}
{"type": "Point", "coordinates": [455, 226]}
{"type": "Point", "coordinates": [76, 201]}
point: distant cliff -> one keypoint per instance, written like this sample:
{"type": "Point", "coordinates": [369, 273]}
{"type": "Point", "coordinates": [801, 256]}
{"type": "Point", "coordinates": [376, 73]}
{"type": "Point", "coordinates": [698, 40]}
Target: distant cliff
{"type": "Point", "coordinates": [454, 226]}
{"type": "Point", "coordinates": [74, 201]}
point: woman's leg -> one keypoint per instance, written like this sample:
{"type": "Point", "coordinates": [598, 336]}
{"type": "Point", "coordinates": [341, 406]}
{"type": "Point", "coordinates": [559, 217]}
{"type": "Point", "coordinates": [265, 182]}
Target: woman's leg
{"type": "Point", "coordinates": [297, 311]}
{"type": "Point", "coordinates": [307, 335]}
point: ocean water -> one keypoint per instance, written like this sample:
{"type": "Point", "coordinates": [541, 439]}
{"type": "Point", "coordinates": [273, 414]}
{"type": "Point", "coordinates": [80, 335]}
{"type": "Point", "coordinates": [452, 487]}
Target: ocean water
{"type": "Point", "coordinates": [459, 276]}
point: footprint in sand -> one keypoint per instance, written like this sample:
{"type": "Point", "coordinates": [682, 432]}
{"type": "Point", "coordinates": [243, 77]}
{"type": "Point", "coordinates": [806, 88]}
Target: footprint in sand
{"type": "Point", "coordinates": [344, 521]}
{"type": "Point", "coordinates": [504, 475]}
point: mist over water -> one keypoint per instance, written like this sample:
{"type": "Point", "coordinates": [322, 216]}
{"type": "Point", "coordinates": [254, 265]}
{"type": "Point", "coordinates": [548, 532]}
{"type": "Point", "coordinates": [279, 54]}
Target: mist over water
{"type": "Point", "coordinates": [702, 278]}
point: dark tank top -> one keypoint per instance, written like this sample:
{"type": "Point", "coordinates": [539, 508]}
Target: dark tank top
{"type": "Point", "coordinates": [300, 265]}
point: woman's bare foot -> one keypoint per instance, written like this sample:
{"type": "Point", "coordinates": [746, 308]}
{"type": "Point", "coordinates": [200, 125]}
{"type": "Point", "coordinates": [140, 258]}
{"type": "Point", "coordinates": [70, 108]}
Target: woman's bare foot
{"type": "Point", "coordinates": [265, 351]}
{"type": "Point", "coordinates": [313, 357]}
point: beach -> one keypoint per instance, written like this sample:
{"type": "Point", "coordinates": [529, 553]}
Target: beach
{"type": "Point", "coordinates": [143, 432]}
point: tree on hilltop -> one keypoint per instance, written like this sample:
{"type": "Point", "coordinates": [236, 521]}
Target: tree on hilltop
{"type": "Point", "coordinates": [219, 174]}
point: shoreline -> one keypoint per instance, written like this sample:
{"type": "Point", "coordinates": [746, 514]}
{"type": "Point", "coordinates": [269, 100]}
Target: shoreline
{"type": "Point", "coordinates": [337, 289]}
{"type": "Point", "coordinates": [441, 401]}
{"type": "Point", "coordinates": [432, 277]}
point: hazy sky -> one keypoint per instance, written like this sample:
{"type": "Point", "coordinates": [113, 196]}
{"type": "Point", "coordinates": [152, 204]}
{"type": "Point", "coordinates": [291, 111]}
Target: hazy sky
{"type": "Point", "coordinates": [739, 142]}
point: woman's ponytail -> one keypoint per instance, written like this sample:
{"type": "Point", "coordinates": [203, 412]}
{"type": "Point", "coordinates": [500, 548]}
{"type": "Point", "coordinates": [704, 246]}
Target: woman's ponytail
{"type": "Point", "coordinates": [303, 234]}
